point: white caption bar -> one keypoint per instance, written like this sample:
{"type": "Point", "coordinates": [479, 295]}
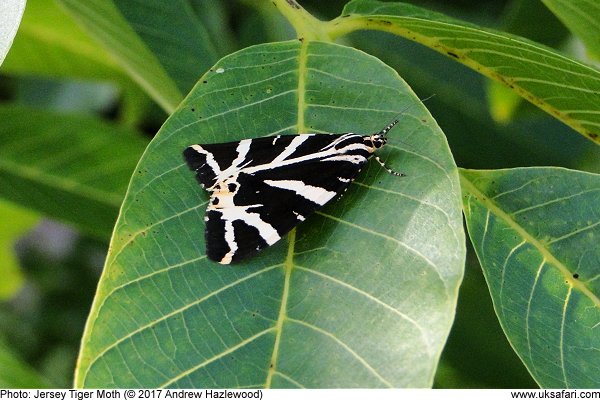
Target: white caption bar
{"type": "Point", "coordinates": [294, 394]}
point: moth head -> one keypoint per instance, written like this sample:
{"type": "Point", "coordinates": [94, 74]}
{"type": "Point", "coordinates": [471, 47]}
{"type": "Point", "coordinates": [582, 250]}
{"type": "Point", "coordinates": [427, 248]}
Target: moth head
{"type": "Point", "coordinates": [377, 141]}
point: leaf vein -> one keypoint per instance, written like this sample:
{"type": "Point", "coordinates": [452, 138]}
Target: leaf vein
{"type": "Point", "coordinates": [345, 346]}
{"type": "Point", "coordinates": [377, 301]}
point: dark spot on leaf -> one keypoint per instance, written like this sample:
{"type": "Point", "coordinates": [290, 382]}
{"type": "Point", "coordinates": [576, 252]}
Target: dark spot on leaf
{"type": "Point", "coordinates": [575, 276]}
{"type": "Point", "coordinates": [204, 81]}
{"type": "Point", "coordinates": [193, 109]}
{"type": "Point", "coordinates": [345, 15]}
{"type": "Point", "coordinates": [593, 135]}
{"type": "Point", "coordinates": [451, 54]}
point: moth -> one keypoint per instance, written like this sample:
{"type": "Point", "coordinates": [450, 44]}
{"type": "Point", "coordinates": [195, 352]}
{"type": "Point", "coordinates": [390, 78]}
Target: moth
{"type": "Point", "coordinates": [261, 188]}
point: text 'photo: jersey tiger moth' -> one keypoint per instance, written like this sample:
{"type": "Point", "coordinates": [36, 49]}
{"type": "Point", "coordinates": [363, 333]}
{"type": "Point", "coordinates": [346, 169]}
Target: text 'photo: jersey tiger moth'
{"type": "Point", "coordinates": [260, 189]}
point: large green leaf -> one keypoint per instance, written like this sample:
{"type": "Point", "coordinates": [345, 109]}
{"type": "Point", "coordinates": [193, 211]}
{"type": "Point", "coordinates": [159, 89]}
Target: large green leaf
{"type": "Point", "coordinates": [71, 168]}
{"type": "Point", "coordinates": [565, 88]}
{"type": "Point", "coordinates": [536, 233]}
{"type": "Point", "coordinates": [582, 18]}
{"type": "Point", "coordinates": [362, 294]}
{"type": "Point", "coordinates": [104, 22]}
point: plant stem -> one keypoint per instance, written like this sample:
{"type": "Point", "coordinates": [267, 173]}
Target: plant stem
{"type": "Point", "coordinates": [307, 27]}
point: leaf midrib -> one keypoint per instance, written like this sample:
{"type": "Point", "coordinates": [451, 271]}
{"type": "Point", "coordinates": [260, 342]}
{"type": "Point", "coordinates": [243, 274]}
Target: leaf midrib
{"type": "Point", "coordinates": [288, 266]}
{"type": "Point", "coordinates": [289, 261]}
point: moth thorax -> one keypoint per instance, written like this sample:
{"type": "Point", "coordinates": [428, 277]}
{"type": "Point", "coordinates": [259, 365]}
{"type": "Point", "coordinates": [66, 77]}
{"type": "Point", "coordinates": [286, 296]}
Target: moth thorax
{"type": "Point", "coordinates": [375, 141]}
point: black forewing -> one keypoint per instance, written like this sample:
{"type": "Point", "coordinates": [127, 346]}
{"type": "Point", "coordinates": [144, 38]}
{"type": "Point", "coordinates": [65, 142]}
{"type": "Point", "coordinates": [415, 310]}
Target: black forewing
{"type": "Point", "coordinates": [282, 207]}
{"type": "Point", "coordinates": [262, 150]}
{"type": "Point", "coordinates": [279, 207]}
{"type": "Point", "coordinates": [199, 157]}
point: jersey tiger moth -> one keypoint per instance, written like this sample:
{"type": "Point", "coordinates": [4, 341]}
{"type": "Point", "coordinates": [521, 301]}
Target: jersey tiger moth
{"type": "Point", "coordinates": [262, 188]}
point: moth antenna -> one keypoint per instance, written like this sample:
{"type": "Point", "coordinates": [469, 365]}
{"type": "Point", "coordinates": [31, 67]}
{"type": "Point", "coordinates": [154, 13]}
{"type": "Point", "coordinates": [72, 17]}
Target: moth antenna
{"type": "Point", "coordinates": [395, 120]}
{"type": "Point", "coordinates": [388, 169]}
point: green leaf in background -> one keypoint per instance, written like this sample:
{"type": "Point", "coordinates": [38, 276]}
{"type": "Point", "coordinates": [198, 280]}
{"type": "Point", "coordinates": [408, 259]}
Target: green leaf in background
{"type": "Point", "coordinates": [15, 222]}
{"type": "Point", "coordinates": [214, 16]}
{"type": "Point", "coordinates": [581, 17]}
{"type": "Point", "coordinates": [174, 35]}
{"type": "Point", "coordinates": [503, 102]}
{"type": "Point", "coordinates": [477, 336]}
{"type": "Point", "coordinates": [516, 19]}
{"type": "Point", "coordinates": [460, 107]}
{"type": "Point", "coordinates": [43, 46]}
{"type": "Point", "coordinates": [75, 169]}
{"type": "Point", "coordinates": [47, 38]}
{"type": "Point", "coordinates": [11, 12]}
{"type": "Point", "coordinates": [16, 374]}
{"type": "Point", "coordinates": [536, 234]}
{"type": "Point", "coordinates": [104, 22]}
{"type": "Point", "coordinates": [360, 295]}
{"type": "Point", "coordinates": [563, 87]}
